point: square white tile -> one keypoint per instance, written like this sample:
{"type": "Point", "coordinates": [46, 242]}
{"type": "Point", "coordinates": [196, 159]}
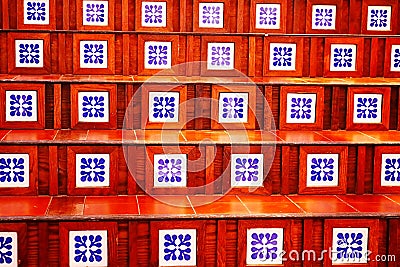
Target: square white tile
{"type": "Point", "coordinates": [9, 249]}
{"type": "Point", "coordinates": [154, 14]}
{"type": "Point", "coordinates": [221, 56]}
{"type": "Point", "coordinates": [343, 57]}
{"type": "Point", "coordinates": [157, 55]}
{"type": "Point", "coordinates": [170, 170]}
{"type": "Point", "coordinates": [211, 15]}
{"type": "Point", "coordinates": [36, 12]}
{"type": "Point", "coordinates": [367, 108]}
{"type": "Point", "coordinates": [14, 170]}
{"type": "Point", "coordinates": [29, 53]}
{"type": "Point", "coordinates": [21, 106]}
{"type": "Point", "coordinates": [323, 17]}
{"type": "Point", "coordinates": [282, 56]}
{"type": "Point", "coordinates": [264, 246]}
{"type": "Point", "coordinates": [301, 108]}
{"type": "Point", "coordinates": [93, 54]}
{"type": "Point", "coordinates": [177, 247]}
{"type": "Point", "coordinates": [92, 170]}
{"type": "Point", "coordinates": [322, 170]}
{"type": "Point", "coordinates": [349, 246]}
{"type": "Point", "coordinates": [268, 16]}
{"type": "Point", "coordinates": [93, 106]}
{"type": "Point", "coordinates": [379, 18]}
{"type": "Point", "coordinates": [390, 170]}
{"type": "Point", "coordinates": [95, 13]}
{"type": "Point", "coordinates": [88, 248]}
{"type": "Point", "coordinates": [163, 106]}
{"type": "Point", "coordinates": [233, 107]}
{"type": "Point", "coordinates": [395, 58]}
{"type": "Point", "coordinates": [247, 170]}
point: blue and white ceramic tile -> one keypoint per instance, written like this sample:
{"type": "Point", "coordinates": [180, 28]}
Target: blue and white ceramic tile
{"type": "Point", "coordinates": [221, 56]}
{"type": "Point", "coordinates": [264, 246]}
{"type": "Point", "coordinates": [211, 15]}
{"type": "Point", "coordinates": [36, 12]}
{"type": "Point", "coordinates": [163, 106]}
{"type": "Point", "coordinates": [14, 170]}
{"type": "Point", "coordinates": [282, 56]}
{"type": "Point", "coordinates": [390, 170]}
{"type": "Point", "coordinates": [343, 57]}
{"type": "Point", "coordinates": [170, 170]}
{"type": "Point", "coordinates": [301, 108]}
{"type": "Point", "coordinates": [233, 107]}
{"type": "Point", "coordinates": [247, 170]}
{"type": "Point", "coordinates": [268, 16]}
{"type": "Point", "coordinates": [88, 248]}
{"type": "Point", "coordinates": [93, 54]}
{"type": "Point", "coordinates": [349, 246]}
{"type": "Point", "coordinates": [92, 170]}
{"type": "Point", "coordinates": [323, 17]}
{"type": "Point", "coordinates": [21, 106]}
{"type": "Point", "coordinates": [95, 13]}
{"type": "Point", "coordinates": [9, 249]}
{"type": "Point", "coordinates": [395, 58]}
{"type": "Point", "coordinates": [157, 55]}
{"type": "Point", "coordinates": [93, 106]}
{"type": "Point", "coordinates": [322, 170]}
{"type": "Point", "coordinates": [379, 18]}
{"type": "Point", "coordinates": [177, 247]}
{"type": "Point", "coordinates": [367, 108]}
{"type": "Point", "coordinates": [154, 14]}
{"type": "Point", "coordinates": [29, 53]}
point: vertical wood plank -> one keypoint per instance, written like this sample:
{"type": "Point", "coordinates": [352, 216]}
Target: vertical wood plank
{"type": "Point", "coordinates": [182, 16]}
{"type": "Point", "coordinates": [57, 106]}
{"type": "Point", "coordinates": [285, 170]}
{"type": "Point", "coordinates": [210, 171]}
{"type": "Point", "coordinates": [374, 57]}
{"type": "Point", "coordinates": [221, 248]}
{"type": "Point", "coordinates": [61, 54]}
{"type": "Point", "coordinates": [355, 17]}
{"type": "Point", "coordinates": [252, 56]}
{"type": "Point", "coordinates": [393, 240]}
{"type": "Point", "coordinates": [66, 11]}
{"type": "Point", "coordinates": [53, 170]}
{"type": "Point", "coordinates": [327, 121]}
{"type": "Point", "coordinates": [43, 244]}
{"type": "Point", "coordinates": [299, 21]}
{"type": "Point", "coordinates": [5, 14]}
{"type": "Point", "coordinates": [125, 62]}
{"type": "Point", "coordinates": [360, 185]}
{"type": "Point", "coordinates": [240, 15]}
{"type": "Point", "coordinates": [4, 53]}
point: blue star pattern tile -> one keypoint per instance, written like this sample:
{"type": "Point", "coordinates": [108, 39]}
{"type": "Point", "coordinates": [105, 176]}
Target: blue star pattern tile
{"type": "Point", "coordinates": [21, 106]}
{"type": "Point", "coordinates": [154, 14]}
{"type": "Point", "coordinates": [390, 170]}
{"type": "Point", "coordinates": [14, 170]}
{"type": "Point", "coordinates": [343, 57]}
{"type": "Point", "coordinates": [282, 56]}
{"type": "Point", "coordinates": [264, 246]}
{"type": "Point", "coordinates": [163, 106]}
{"type": "Point", "coordinates": [9, 249]}
{"type": "Point", "coordinates": [36, 12]}
{"type": "Point", "coordinates": [93, 106]}
{"type": "Point", "coordinates": [322, 170]}
{"type": "Point", "coordinates": [29, 53]}
{"type": "Point", "coordinates": [300, 108]}
{"type": "Point", "coordinates": [367, 108]}
{"type": "Point", "coordinates": [323, 17]}
{"type": "Point", "coordinates": [93, 54]}
{"type": "Point", "coordinates": [95, 13]}
{"type": "Point", "coordinates": [268, 16]}
{"type": "Point", "coordinates": [88, 248]}
{"type": "Point", "coordinates": [233, 107]}
{"type": "Point", "coordinates": [157, 55]}
{"type": "Point", "coordinates": [395, 58]}
{"type": "Point", "coordinates": [92, 170]}
{"type": "Point", "coordinates": [379, 18]}
{"type": "Point", "coordinates": [177, 247]}
{"type": "Point", "coordinates": [211, 15]}
{"type": "Point", "coordinates": [247, 170]}
{"type": "Point", "coordinates": [350, 246]}
{"type": "Point", "coordinates": [170, 170]}
{"type": "Point", "coordinates": [221, 56]}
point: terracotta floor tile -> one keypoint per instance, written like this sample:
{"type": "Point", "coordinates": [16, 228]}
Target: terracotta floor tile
{"type": "Point", "coordinates": [35, 78]}
{"type": "Point", "coordinates": [321, 204]}
{"type": "Point", "coordinates": [159, 136]}
{"type": "Point", "coordinates": [8, 77]}
{"type": "Point", "coordinates": [74, 78]}
{"type": "Point", "coordinates": [71, 136]}
{"type": "Point", "coordinates": [363, 198]}
{"type": "Point", "coordinates": [384, 136]}
{"type": "Point", "coordinates": [216, 205]}
{"type": "Point", "coordinates": [301, 137]}
{"type": "Point", "coordinates": [111, 205]}
{"type": "Point", "coordinates": [348, 137]}
{"type": "Point", "coordinates": [24, 206]}
{"type": "Point", "coordinates": [3, 133]}
{"type": "Point", "coordinates": [36, 136]}
{"type": "Point", "coordinates": [193, 136]}
{"type": "Point", "coordinates": [106, 135]}
{"type": "Point", "coordinates": [98, 200]}
{"type": "Point", "coordinates": [269, 204]}
{"type": "Point", "coordinates": [395, 198]}
{"type": "Point", "coordinates": [155, 79]}
{"type": "Point", "coordinates": [371, 203]}
{"type": "Point", "coordinates": [179, 205]}
{"type": "Point", "coordinates": [252, 137]}
{"type": "Point", "coordinates": [111, 78]}
{"type": "Point", "coordinates": [66, 205]}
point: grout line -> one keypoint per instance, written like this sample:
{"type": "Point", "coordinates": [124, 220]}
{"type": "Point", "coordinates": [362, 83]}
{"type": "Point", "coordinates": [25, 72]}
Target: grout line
{"type": "Point", "coordinates": [368, 136]}
{"type": "Point", "coordinates": [347, 203]}
{"type": "Point", "coordinates": [394, 201]}
{"type": "Point", "coordinates": [87, 134]}
{"type": "Point", "coordinates": [274, 133]}
{"type": "Point", "coordinates": [136, 139]}
{"type": "Point", "coordinates": [5, 135]}
{"type": "Point", "coordinates": [191, 205]}
{"type": "Point", "coordinates": [84, 205]}
{"type": "Point", "coordinates": [54, 138]}
{"type": "Point", "coordinates": [243, 204]}
{"type": "Point", "coordinates": [48, 206]}
{"type": "Point", "coordinates": [137, 203]}
{"type": "Point", "coordinates": [184, 138]}
{"type": "Point", "coordinates": [294, 203]}
{"type": "Point", "coordinates": [316, 132]}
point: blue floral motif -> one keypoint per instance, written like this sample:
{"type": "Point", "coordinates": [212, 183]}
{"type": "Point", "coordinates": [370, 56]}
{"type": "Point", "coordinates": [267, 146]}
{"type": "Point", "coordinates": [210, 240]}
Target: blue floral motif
{"type": "Point", "coordinates": [158, 55]}
{"type": "Point", "coordinates": [177, 247]}
{"type": "Point", "coordinates": [36, 11]}
{"type": "Point", "coordinates": [396, 59]}
{"type": "Point", "coordinates": [392, 169]}
{"type": "Point", "coordinates": [93, 53]}
{"type": "Point", "coordinates": [282, 56]}
{"type": "Point", "coordinates": [367, 107]}
{"type": "Point", "coordinates": [246, 169]}
{"type": "Point", "coordinates": [92, 169]}
{"type": "Point", "coordinates": [264, 246]}
{"type": "Point", "coordinates": [29, 54]}
{"type": "Point", "coordinates": [379, 18]}
{"type": "Point", "coordinates": [211, 14]}
{"type": "Point", "coordinates": [349, 245]}
{"type": "Point", "coordinates": [268, 16]}
{"type": "Point", "coordinates": [169, 170]}
{"type": "Point", "coordinates": [164, 107]}
{"type": "Point", "coordinates": [21, 105]}
{"type": "Point", "coordinates": [232, 107]}
{"type": "Point", "coordinates": [323, 17]}
{"type": "Point", "coordinates": [220, 56]}
{"type": "Point", "coordinates": [12, 170]}
{"type": "Point", "coordinates": [342, 57]}
{"type": "Point", "coordinates": [322, 169]}
{"type": "Point", "coordinates": [301, 108]}
{"type": "Point", "coordinates": [6, 250]}
{"type": "Point", "coordinates": [153, 13]}
{"type": "Point", "coordinates": [93, 106]}
{"type": "Point", "coordinates": [95, 12]}
{"type": "Point", "coordinates": [88, 244]}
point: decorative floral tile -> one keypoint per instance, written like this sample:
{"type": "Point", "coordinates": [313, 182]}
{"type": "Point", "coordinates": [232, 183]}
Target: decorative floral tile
{"type": "Point", "coordinates": [233, 107]}
{"type": "Point", "coordinates": [264, 246]}
{"type": "Point", "coordinates": [221, 56]}
{"type": "Point", "coordinates": [349, 245]}
{"type": "Point", "coordinates": [88, 248]}
{"type": "Point", "coordinates": [211, 15]}
{"type": "Point", "coordinates": [367, 108]}
{"type": "Point", "coordinates": [323, 17]}
{"type": "Point", "coordinates": [29, 53]}
{"type": "Point", "coordinates": [343, 57]}
{"type": "Point", "coordinates": [154, 14]}
{"type": "Point", "coordinates": [157, 55]}
{"type": "Point", "coordinates": [9, 249]}
{"type": "Point", "coordinates": [301, 108]}
{"type": "Point", "coordinates": [36, 12]}
{"type": "Point", "coordinates": [170, 170]}
{"type": "Point", "coordinates": [390, 170]}
{"type": "Point", "coordinates": [93, 106]}
{"type": "Point", "coordinates": [379, 18]}
{"type": "Point", "coordinates": [322, 170]}
{"type": "Point", "coordinates": [95, 13]}
{"type": "Point", "coordinates": [163, 106]}
{"type": "Point", "coordinates": [395, 58]}
{"type": "Point", "coordinates": [177, 247]}
{"type": "Point", "coordinates": [93, 54]}
{"type": "Point", "coordinates": [92, 170]}
{"type": "Point", "coordinates": [21, 106]}
{"type": "Point", "coordinates": [14, 170]}
{"type": "Point", "coordinates": [247, 170]}
{"type": "Point", "coordinates": [268, 16]}
{"type": "Point", "coordinates": [282, 56]}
